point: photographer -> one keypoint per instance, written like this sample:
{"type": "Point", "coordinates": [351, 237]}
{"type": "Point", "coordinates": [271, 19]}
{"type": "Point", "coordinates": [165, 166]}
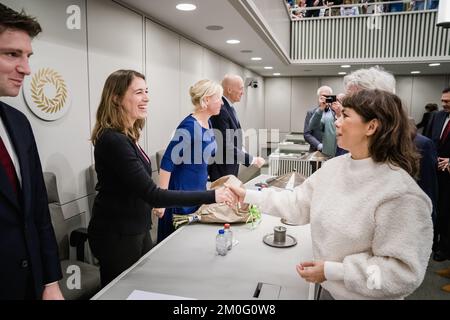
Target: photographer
{"type": "Point", "coordinates": [314, 135]}
{"type": "Point", "coordinates": [326, 121]}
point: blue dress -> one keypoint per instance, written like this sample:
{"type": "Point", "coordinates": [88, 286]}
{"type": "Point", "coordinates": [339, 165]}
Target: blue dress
{"type": "Point", "coordinates": [186, 158]}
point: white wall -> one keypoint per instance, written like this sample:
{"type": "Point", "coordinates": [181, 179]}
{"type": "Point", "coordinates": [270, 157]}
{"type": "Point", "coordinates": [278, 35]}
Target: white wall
{"type": "Point", "coordinates": [114, 37]}
{"type": "Point", "coordinates": [63, 144]}
{"type": "Point", "coordinates": [172, 71]}
{"type": "Point", "coordinates": [288, 99]}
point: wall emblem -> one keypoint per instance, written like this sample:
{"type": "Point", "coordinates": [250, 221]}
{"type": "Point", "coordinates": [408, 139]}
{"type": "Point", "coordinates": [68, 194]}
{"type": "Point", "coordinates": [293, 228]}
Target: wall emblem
{"type": "Point", "coordinates": [46, 94]}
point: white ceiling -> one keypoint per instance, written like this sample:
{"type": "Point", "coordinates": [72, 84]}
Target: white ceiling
{"type": "Point", "coordinates": [220, 12]}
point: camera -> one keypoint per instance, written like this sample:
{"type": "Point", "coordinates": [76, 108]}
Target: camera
{"type": "Point", "coordinates": [330, 99]}
{"type": "Point", "coordinates": [251, 82]}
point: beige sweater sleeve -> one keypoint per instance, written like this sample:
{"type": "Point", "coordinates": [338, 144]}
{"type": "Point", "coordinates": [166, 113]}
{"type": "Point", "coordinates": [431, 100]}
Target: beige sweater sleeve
{"type": "Point", "coordinates": [293, 205]}
{"type": "Point", "coordinates": [400, 250]}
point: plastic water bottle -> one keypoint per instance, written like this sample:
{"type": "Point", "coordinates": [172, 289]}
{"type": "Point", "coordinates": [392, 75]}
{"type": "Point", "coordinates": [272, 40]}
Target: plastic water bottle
{"type": "Point", "coordinates": [228, 235]}
{"type": "Point", "coordinates": [221, 243]}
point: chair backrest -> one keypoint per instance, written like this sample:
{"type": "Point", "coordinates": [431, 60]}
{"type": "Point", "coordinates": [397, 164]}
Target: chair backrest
{"type": "Point", "coordinates": [92, 177]}
{"type": "Point", "coordinates": [57, 216]}
{"type": "Point", "coordinates": [159, 156]}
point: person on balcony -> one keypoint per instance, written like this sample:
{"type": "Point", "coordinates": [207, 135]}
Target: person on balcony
{"type": "Point", "coordinates": [311, 4]}
{"type": "Point", "coordinates": [349, 9]}
{"type": "Point", "coordinates": [395, 7]}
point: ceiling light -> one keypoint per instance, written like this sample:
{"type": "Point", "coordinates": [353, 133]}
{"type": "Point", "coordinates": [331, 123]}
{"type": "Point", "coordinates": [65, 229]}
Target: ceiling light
{"type": "Point", "coordinates": [415, 72]}
{"type": "Point", "coordinates": [233, 41]}
{"type": "Point", "coordinates": [268, 68]}
{"type": "Point", "coordinates": [214, 28]}
{"type": "Point", "coordinates": [342, 73]}
{"type": "Point", "coordinates": [256, 58]}
{"type": "Point", "coordinates": [434, 64]}
{"type": "Point", "coordinates": [345, 66]}
{"type": "Point", "coordinates": [186, 7]}
{"type": "Point", "coordinates": [277, 74]}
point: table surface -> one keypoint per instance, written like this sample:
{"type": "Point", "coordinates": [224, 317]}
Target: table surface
{"type": "Point", "coordinates": [186, 264]}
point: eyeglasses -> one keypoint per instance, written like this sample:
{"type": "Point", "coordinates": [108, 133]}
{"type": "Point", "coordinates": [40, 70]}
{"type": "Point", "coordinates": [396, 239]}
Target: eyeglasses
{"type": "Point", "coordinates": [445, 101]}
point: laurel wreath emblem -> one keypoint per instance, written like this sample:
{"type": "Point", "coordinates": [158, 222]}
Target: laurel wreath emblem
{"type": "Point", "coordinates": [40, 79]}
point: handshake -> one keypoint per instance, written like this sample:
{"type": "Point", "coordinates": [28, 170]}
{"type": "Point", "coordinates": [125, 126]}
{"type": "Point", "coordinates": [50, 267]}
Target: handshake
{"type": "Point", "coordinates": [230, 194]}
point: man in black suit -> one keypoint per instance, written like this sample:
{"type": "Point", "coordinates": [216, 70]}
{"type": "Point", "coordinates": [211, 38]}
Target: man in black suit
{"type": "Point", "coordinates": [229, 136]}
{"type": "Point", "coordinates": [30, 267]}
{"type": "Point", "coordinates": [440, 134]}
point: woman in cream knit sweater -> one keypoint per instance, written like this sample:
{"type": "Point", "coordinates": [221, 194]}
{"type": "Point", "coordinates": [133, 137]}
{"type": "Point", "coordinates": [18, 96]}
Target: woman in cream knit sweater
{"type": "Point", "coordinates": [371, 224]}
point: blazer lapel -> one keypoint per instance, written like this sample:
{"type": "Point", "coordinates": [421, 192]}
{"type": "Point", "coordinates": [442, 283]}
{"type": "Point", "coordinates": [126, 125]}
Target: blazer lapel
{"type": "Point", "coordinates": [146, 161]}
{"type": "Point", "coordinates": [5, 186]}
{"type": "Point", "coordinates": [440, 125]}
{"type": "Point", "coordinates": [230, 112]}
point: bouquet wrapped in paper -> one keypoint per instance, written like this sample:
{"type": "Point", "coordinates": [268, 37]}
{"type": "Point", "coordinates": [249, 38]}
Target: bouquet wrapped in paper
{"type": "Point", "coordinates": [220, 212]}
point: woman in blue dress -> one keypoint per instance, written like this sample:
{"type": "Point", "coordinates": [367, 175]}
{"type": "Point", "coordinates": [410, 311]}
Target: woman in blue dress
{"type": "Point", "coordinates": [184, 165]}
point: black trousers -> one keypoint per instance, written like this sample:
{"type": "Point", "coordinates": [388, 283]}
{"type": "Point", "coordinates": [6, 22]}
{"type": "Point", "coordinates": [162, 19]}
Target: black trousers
{"type": "Point", "coordinates": [116, 252]}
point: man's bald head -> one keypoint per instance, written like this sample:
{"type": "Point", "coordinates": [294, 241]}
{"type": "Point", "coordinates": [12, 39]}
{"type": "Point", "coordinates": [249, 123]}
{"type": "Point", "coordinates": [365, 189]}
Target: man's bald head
{"type": "Point", "coordinates": [233, 87]}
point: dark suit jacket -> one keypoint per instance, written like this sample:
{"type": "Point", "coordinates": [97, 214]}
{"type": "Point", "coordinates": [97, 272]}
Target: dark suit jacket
{"type": "Point", "coordinates": [229, 147]}
{"type": "Point", "coordinates": [126, 191]}
{"type": "Point", "coordinates": [27, 239]}
{"type": "Point", "coordinates": [428, 163]}
{"type": "Point", "coordinates": [435, 128]}
{"type": "Point", "coordinates": [424, 123]}
{"type": "Point", "coordinates": [312, 136]}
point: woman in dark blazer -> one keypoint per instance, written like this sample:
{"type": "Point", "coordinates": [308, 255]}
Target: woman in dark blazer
{"type": "Point", "coordinates": [121, 216]}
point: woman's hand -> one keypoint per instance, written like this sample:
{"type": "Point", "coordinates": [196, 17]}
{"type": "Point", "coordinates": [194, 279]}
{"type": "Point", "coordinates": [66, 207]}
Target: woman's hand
{"type": "Point", "coordinates": [238, 192]}
{"type": "Point", "coordinates": [224, 195]}
{"type": "Point", "coordinates": [159, 212]}
{"type": "Point", "coordinates": [312, 271]}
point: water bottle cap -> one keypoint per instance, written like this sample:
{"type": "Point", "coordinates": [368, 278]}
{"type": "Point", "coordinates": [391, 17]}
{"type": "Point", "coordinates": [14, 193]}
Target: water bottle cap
{"type": "Point", "coordinates": [227, 225]}
{"type": "Point", "coordinates": [221, 231]}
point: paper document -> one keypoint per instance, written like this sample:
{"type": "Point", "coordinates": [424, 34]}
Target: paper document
{"type": "Point", "coordinates": [144, 295]}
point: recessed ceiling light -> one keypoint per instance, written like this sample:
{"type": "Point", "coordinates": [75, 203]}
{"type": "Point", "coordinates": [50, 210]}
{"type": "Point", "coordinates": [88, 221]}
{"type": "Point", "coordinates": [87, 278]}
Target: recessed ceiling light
{"type": "Point", "coordinates": [186, 7]}
{"type": "Point", "coordinates": [268, 68]}
{"type": "Point", "coordinates": [434, 64]}
{"type": "Point", "coordinates": [232, 41]}
{"type": "Point", "coordinates": [277, 74]}
{"type": "Point", "coordinates": [256, 58]}
{"type": "Point", "coordinates": [342, 73]}
{"type": "Point", "coordinates": [415, 72]}
{"type": "Point", "coordinates": [246, 51]}
{"type": "Point", "coordinates": [345, 66]}
{"type": "Point", "coordinates": [214, 28]}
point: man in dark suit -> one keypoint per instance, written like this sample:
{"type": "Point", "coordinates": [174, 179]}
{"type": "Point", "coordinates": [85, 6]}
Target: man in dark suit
{"type": "Point", "coordinates": [440, 134]}
{"type": "Point", "coordinates": [29, 267]}
{"type": "Point", "coordinates": [229, 135]}
{"type": "Point", "coordinates": [430, 109]}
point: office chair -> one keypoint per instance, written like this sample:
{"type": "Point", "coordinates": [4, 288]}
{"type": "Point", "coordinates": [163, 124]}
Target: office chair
{"type": "Point", "coordinates": [89, 274]}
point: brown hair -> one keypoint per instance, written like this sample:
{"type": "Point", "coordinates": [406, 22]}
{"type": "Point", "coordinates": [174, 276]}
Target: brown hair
{"type": "Point", "coordinates": [110, 114]}
{"type": "Point", "coordinates": [10, 19]}
{"type": "Point", "coordinates": [392, 141]}
{"type": "Point", "coordinates": [431, 107]}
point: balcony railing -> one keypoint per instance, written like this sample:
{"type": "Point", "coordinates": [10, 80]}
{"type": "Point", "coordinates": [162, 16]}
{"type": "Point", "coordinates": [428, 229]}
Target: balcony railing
{"type": "Point", "coordinates": [379, 37]}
